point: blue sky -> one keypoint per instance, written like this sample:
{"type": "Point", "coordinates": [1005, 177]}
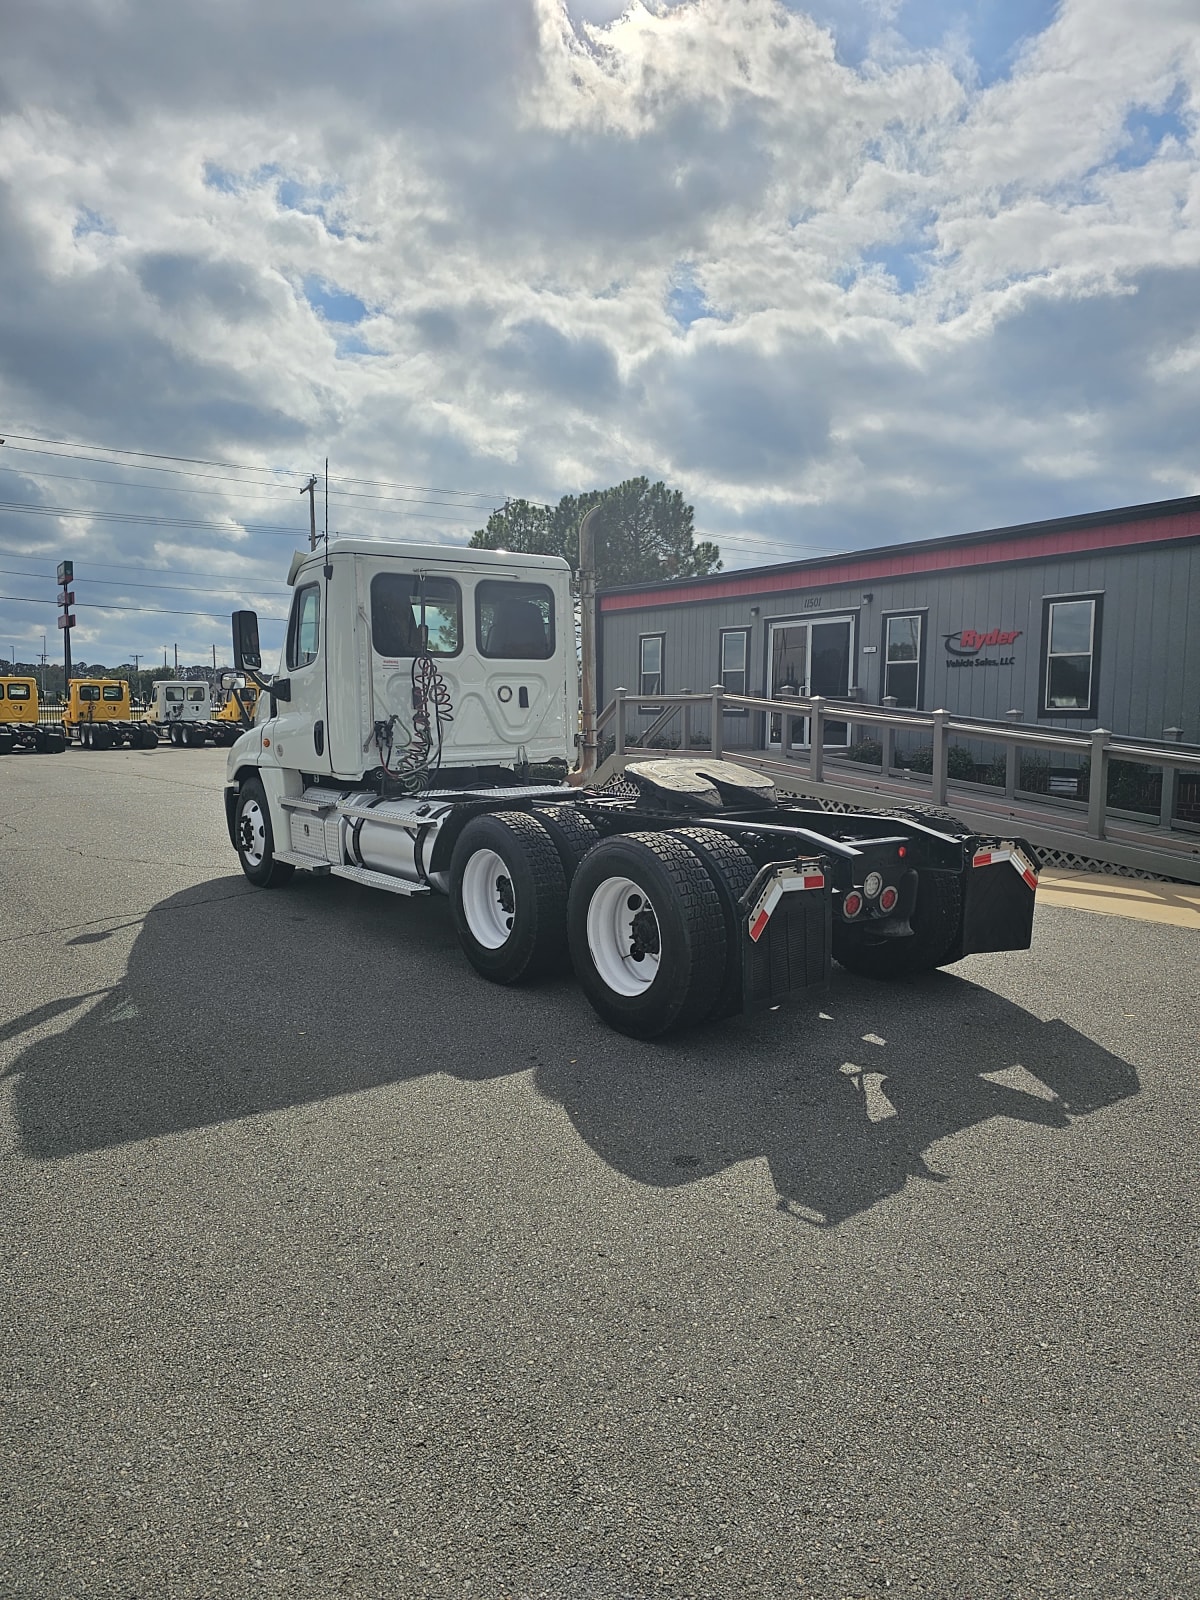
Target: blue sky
{"type": "Point", "coordinates": [842, 271]}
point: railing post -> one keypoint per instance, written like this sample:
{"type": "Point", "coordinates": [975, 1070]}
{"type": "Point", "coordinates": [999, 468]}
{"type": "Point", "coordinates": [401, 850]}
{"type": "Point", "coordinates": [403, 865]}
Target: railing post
{"type": "Point", "coordinates": [816, 739]}
{"type": "Point", "coordinates": [718, 719]}
{"type": "Point", "coordinates": [889, 739]}
{"type": "Point", "coordinates": [1098, 783]}
{"type": "Point", "coordinates": [686, 733]}
{"type": "Point", "coordinates": [940, 752]}
{"type": "Point", "coordinates": [785, 724]}
{"type": "Point", "coordinates": [619, 719]}
{"type": "Point", "coordinates": [1012, 758]}
{"type": "Point", "coordinates": [1166, 807]}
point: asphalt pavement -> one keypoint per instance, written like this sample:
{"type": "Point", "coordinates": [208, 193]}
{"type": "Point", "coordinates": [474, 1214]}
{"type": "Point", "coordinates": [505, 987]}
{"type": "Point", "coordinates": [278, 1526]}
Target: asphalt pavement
{"type": "Point", "coordinates": [329, 1269]}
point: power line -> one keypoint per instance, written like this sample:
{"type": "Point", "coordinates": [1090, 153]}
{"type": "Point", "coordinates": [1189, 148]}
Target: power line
{"type": "Point", "coordinates": [172, 488]}
{"type": "Point", "coordinates": [182, 588]}
{"type": "Point", "coordinates": [100, 605]}
{"type": "Point", "coordinates": [136, 517]}
{"type": "Point", "coordinates": [116, 566]}
{"type": "Point", "coordinates": [67, 446]}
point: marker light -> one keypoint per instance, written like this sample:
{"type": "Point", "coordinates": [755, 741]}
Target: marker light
{"type": "Point", "coordinates": [852, 903]}
{"type": "Point", "coordinates": [872, 884]}
{"type": "Point", "coordinates": [902, 852]}
{"type": "Point", "coordinates": [888, 898]}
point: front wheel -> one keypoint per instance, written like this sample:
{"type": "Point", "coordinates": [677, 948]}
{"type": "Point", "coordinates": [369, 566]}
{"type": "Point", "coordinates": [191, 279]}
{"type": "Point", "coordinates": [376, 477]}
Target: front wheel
{"type": "Point", "coordinates": [508, 898]}
{"type": "Point", "coordinates": [256, 840]}
{"type": "Point", "coordinates": [647, 934]}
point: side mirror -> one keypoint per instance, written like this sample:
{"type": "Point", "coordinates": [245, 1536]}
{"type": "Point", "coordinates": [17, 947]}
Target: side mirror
{"type": "Point", "coordinates": [246, 650]}
{"type": "Point", "coordinates": [228, 681]}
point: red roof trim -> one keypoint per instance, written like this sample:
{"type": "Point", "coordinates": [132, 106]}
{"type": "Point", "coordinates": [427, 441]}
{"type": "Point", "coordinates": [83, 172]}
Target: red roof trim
{"type": "Point", "coordinates": [902, 563]}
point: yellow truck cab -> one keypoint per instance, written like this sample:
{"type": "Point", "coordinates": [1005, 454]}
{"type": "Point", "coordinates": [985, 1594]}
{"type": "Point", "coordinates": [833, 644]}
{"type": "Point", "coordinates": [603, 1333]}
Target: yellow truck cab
{"type": "Point", "coordinates": [19, 728]}
{"type": "Point", "coordinates": [99, 716]}
{"type": "Point", "coordinates": [241, 704]}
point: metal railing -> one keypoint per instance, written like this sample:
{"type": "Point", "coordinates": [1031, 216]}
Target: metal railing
{"type": "Point", "coordinates": [1091, 813]}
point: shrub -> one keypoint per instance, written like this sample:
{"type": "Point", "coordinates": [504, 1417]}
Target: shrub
{"type": "Point", "coordinates": [868, 751]}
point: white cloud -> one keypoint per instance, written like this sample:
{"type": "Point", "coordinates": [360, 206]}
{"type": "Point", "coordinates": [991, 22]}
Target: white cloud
{"type": "Point", "coordinates": [537, 247]}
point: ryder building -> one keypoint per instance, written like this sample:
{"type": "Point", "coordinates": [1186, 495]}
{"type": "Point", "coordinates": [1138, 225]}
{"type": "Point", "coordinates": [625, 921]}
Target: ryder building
{"type": "Point", "coordinates": [1082, 622]}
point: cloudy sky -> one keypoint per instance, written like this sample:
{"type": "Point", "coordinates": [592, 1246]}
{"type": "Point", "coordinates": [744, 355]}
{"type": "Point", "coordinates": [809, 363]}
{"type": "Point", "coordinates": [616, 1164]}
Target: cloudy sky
{"type": "Point", "coordinates": [843, 271]}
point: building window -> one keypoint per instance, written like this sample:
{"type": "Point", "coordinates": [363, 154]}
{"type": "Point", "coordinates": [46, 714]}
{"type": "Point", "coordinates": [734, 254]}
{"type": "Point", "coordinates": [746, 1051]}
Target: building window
{"type": "Point", "coordinates": [902, 659]}
{"type": "Point", "coordinates": [1071, 641]}
{"type": "Point", "coordinates": [514, 621]}
{"type": "Point", "coordinates": [650, 664]}
{"type": "Point", "coordinates": [304, 628]}
{"type": "Point", "coordinates": [735, 663]}
{"type": "Point", "coordinates": [411, 614]}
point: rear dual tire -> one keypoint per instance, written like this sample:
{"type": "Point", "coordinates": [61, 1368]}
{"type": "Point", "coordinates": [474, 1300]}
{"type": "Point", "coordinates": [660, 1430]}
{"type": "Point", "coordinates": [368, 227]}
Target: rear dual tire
{"type": "Point", "coordinates": [508, 898]}
{"type": "Point", "coordinates": [647, 934]}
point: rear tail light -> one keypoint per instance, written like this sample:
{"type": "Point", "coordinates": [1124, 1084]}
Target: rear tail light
{"type": "Point", "coordinates": [852, 903]}
{"type": "Point", "coordinates": [872, 884]}
{"type": "Point", "coordinates": [887, 900]}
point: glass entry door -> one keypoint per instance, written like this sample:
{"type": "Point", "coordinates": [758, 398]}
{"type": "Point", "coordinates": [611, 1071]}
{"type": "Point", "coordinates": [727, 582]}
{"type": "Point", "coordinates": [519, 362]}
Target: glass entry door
{"type": "Point", "coordinates": [809, 658]}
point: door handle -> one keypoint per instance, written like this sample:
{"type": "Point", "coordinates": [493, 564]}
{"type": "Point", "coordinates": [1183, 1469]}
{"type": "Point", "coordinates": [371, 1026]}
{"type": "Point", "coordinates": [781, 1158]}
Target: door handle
{"type": "Point", "coordinates": [319, 737]}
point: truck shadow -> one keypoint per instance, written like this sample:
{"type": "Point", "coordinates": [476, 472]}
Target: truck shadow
{"type": "Point", "coordinates": [236, 1003]}
{"type": "Point", "coordinates": [843, 1097]}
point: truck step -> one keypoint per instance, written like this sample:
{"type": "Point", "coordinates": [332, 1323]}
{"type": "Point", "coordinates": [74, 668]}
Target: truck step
{"type": "Point", "coordinates": [375, 880]}
{"type": "Point", "coordinates": [295, 858]}
{"type": "Point", "coordinates": [317, 808]}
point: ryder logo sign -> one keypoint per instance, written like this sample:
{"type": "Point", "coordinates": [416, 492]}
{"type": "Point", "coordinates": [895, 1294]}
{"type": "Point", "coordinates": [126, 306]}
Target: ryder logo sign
{"type": "Point", "coordinates": [963, 647]}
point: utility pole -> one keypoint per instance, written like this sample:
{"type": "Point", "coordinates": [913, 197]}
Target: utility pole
{"type": "Point", "coordinates": [43, 666]}
{"type": "Point", "coordinates": [310, 489]}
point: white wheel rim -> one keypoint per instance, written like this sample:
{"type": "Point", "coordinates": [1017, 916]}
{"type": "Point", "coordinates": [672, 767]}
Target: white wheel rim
{"type": "Point", "coordinates": [621, 924]}
{"type": "Point", "coordinates": [252, 833]}
{"type": "Point", "coordinates": [488, 899]}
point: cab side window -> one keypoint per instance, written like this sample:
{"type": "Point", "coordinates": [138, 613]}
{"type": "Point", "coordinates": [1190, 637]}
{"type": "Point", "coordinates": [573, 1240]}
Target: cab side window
{"type": "Point", "coordinates": [114, 691]}
{"type": "Point", "coordinates": [89, 691]}
{"type": "Point", "coordinates": [304, 627]}
{"type": "Point", "coordinates": [17, 691]}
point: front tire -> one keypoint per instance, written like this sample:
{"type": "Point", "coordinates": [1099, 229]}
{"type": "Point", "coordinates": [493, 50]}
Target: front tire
{"type": "Point", "coordinates": [934, 921]}
{"type": "Point", "coordinates": [647, 934]}
{"type": "Point", "coordinates": [255, 838]}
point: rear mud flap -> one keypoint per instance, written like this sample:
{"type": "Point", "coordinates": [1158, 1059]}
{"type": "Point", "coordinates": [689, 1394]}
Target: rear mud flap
{"type": "Point", "coordinates": [792, 952]}
{"type": "Point", "coordinates": [998, 890]}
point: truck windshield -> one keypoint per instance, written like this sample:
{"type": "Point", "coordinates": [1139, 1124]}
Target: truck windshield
{"type": "Point", "coordinates": [401, 603]}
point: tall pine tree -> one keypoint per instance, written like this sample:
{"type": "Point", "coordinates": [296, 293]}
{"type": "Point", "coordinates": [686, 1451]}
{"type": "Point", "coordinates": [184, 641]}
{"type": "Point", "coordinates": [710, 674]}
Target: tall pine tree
{"type": "Point", "coordinates": [644, 533]}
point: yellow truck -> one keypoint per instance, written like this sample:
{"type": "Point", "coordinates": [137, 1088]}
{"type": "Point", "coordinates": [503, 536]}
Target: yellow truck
{"type": "Point", "coordinates": [19, 728]}
{"type": "Point", "coordinates": [99, 716]}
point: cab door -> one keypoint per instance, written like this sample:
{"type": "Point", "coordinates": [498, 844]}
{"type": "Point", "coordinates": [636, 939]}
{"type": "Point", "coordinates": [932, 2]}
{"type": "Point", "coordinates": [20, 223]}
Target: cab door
{"type": "Point", "coordinates": [300, 736]}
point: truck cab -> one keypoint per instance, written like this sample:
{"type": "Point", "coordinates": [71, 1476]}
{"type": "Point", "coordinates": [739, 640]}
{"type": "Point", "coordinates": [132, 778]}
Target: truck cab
{"type": "Point", "coordinates": [99, 716]}
{"type": "Point", "coordinates": [19, 724]}
{"type": "Point", "coordinates": [179, 700]}
{"type": "Point", "coordinates": [389, 643]}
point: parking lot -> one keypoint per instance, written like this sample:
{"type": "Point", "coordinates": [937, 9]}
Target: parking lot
{"type": "Point", "coordinates": [331, 1269]}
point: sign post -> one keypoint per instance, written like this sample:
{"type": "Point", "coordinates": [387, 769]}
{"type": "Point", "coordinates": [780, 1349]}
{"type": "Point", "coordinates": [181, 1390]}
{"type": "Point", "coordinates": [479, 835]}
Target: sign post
{"type": "Point", "coordinates": [66, 620]}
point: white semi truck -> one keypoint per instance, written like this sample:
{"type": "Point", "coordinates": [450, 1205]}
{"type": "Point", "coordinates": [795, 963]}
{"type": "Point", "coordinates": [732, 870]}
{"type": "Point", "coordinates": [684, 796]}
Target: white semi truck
{"type": "Point", "coordinates": [181, 711]}
{"type": "Point", "coordinates": [417, 738]}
